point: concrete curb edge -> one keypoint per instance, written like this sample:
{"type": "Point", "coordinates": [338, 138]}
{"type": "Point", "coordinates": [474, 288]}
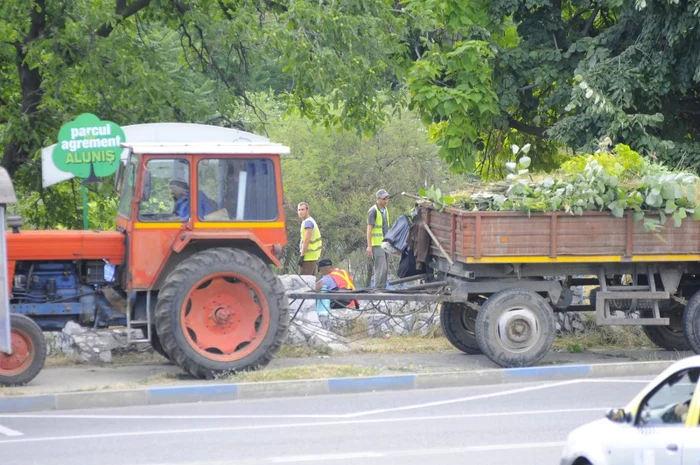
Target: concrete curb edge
{"type": "Point", "coordinates": [241, 391]}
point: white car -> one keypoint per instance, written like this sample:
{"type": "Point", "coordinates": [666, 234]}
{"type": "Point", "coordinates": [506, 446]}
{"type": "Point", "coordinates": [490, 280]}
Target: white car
{"type": "Point", "coordinates": [659, 427]}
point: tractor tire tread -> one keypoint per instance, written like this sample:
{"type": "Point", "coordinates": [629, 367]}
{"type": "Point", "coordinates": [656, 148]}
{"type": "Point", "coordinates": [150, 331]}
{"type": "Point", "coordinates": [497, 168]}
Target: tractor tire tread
{"type": "Point", "coordinates": [39, 346]}
{"type": "Point", "coordinates": [206, 260]}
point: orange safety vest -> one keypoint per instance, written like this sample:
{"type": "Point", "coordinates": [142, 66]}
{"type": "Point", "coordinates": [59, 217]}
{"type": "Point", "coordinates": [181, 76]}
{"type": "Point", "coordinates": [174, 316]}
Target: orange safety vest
{"type": "Point", "coordinates": [344, 281]}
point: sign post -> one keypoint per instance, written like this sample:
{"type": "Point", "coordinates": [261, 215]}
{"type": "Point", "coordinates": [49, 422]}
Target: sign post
{"type": "Point", "coordinates": [90, 149]}
{"type": "Point", "coordinates": [7, 195]}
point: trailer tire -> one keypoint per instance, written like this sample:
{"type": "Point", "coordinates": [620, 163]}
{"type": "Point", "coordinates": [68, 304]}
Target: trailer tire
{"type": "Point", "coordinates": [667, 337]}
{"type": "Point", "coordinates": [458, 323]}
{"type": "Point", "coordinates": [29, 346]}
{"type": "Point", "coordinates": [515, 328]}
{"type": "Point", "coordinates": [691, 322]}
{"type": "Point", "coordinates": [221, 311]}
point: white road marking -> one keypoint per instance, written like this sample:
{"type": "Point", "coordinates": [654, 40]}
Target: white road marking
{"type": "Point", "coordinates": [9, 432]}
{"type": "Point", "coordinates": [613, 380]}
{"type": "Point", "coordinates": [172, 417]}
{"type": "Point", "coordinates": [290, 426]}
{"type": "Point", "coordinates": [463, 399]}
{"type": "Point", "coordinates": [325, 457]}
{"type": "Point", "coordinates": [417, 452]}
{"type": "Point", "coordinates": [339, 416]}
{"type": "Point", "coordinates": [322, 416]}
{"type": "Point", "coordinates": [267, 417]}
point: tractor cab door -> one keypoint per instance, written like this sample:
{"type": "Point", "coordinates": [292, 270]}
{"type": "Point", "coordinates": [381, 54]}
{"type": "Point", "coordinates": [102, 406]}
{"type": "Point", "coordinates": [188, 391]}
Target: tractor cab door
{"type": "Point", "coordinates": [155, 208]}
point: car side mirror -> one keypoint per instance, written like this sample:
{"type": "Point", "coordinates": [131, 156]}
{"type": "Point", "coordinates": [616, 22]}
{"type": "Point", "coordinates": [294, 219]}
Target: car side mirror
{"type": "Point", "coordinates": [618, 415]}
{"type": "Point", "coordinates": [146, 186]}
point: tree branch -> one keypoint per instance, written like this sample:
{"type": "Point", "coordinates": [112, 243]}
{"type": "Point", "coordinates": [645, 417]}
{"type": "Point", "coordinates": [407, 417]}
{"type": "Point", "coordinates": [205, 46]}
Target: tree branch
{"type": "Point", "coordinates": [526, 88]}
{"type": "Point", "coordinates": [589, 23]}
{"type": "Point", "coordinates": [125, 11]}
{"type": "Point", "coordinates": [526, 128]}
{"type": "Point", "coordinates": [224, 10]}
{"type": "Point", "coordinates": [579, 13]}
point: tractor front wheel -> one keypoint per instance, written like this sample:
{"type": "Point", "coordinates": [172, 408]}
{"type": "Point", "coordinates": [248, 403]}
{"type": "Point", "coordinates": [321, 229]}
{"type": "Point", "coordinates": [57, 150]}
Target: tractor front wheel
{"type": "Point", "coordinates": [28, 352]}
{"type": "Point", "coordinates": [221, 311]}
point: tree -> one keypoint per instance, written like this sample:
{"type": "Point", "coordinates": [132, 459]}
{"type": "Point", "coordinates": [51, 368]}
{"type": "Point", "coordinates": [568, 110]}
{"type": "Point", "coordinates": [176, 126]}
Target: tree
{"type": "Point", "coordinates": [339, 174]}
{"type": "Point", "coordinates": [139, 61]}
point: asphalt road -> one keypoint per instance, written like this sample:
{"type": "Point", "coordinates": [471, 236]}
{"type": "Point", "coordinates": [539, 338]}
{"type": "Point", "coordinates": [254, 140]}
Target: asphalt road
{"type": "Point", "coordinates": [514, 424]}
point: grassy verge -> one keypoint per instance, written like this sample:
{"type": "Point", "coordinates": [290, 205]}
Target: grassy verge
{"type": "Point", "coordinates": [276, 374]}
{"type": "Point", "coordinates": [402, 345]}
{"type": "Point", "coordinates": [605, 337]}
{"type": "Point", "coordinates": [128, 359]}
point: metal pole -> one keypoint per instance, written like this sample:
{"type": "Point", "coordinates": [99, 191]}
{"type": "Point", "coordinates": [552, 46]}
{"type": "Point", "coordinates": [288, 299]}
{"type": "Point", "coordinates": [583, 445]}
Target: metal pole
{"type": "Point", "coordinates": [85, 206]}
{"type": "Point", "coordinates": [5, 342]}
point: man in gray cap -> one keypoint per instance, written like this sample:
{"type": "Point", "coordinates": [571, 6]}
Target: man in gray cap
{"type": "Point", "coordinates": [377, 227]}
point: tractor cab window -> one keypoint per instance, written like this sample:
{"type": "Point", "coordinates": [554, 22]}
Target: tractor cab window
{"type": "Point", "coordinates": [128, 186]}
{"type": "Point", "coordinates": [237, 189]}
{"type": "Point", "coordinates": [165, 192]}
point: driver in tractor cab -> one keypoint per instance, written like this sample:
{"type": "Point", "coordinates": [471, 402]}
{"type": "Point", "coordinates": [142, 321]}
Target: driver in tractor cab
{"type": "Point", "coordinates": [181, 194]}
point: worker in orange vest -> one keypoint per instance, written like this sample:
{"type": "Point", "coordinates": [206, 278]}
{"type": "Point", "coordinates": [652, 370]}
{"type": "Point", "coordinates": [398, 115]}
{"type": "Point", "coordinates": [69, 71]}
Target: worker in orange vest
{"type": "Point", "coordinates": [335, 279]}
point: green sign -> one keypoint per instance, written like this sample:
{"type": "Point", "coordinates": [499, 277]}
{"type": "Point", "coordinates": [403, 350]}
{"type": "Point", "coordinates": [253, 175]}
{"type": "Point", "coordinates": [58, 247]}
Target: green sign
{"type": "Point", "coordinates": [88, 147]}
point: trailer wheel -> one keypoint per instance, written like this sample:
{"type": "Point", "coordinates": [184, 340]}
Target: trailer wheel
{"type": "Point", "coordinates": [669, 337]}
{"type": "Point", "coordinates": [221, 311]}
{"type": "Point", "coordinates": [156, 345]}
{"type": "Point", "coordinates": [691, 322]}
{"type": "Point", "coordinates": [29, 352]}
{"type": "Point", "coordinates": [458, 322]}
{"type": "Point", "coordinates": [515, 327]}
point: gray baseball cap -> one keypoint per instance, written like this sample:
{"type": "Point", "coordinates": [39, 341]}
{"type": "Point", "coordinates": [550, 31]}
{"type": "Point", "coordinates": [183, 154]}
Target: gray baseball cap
{"type": "Point", "coordinates": [382, 194]}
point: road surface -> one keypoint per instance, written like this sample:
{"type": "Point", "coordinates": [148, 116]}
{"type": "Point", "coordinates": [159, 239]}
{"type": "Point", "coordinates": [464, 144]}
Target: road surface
{"type": "Point", "coordinates": [524, 424]}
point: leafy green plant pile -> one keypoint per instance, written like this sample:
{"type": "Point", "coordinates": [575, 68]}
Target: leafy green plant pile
{"type": "Point", "coordinates": [617, 181]}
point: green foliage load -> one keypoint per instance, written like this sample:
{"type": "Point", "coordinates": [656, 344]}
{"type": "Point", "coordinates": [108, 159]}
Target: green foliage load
{"type": "Point", "coordinates": [617, 181]}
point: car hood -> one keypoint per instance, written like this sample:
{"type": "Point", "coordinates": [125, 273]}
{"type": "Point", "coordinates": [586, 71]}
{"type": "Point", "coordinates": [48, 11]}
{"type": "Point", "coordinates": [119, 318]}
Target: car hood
{"type": "Point", "coordinates": [589, 440]}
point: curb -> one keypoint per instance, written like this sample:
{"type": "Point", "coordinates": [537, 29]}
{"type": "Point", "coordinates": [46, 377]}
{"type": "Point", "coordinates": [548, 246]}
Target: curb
{"type": "Point", "coordinates": [243, 391]}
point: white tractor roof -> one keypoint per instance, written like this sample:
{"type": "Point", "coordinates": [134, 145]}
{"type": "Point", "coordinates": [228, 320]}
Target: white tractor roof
{"type": "Point", "coordinates": [207, 148]}
{"type": "Point", "coordinates": [163, 133]}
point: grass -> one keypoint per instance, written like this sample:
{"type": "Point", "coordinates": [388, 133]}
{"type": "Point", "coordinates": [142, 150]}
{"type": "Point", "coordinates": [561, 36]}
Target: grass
{"type": "Point", "coordinates": [302, 352]}
{"type": "Point", "coordinates": [127, 359]}
{"type": "Point", "coordinates": [402, 345]}
{"type": "Point", "coordinates": [605, 337]}
{"type": "Point", "coordinates": [303, 372]}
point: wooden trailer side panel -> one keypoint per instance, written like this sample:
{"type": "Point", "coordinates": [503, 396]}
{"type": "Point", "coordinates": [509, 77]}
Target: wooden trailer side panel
{"type": "Point", "coordinates": [498, 236]}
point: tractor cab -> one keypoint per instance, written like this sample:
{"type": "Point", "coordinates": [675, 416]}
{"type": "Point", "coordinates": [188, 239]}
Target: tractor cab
{"type": "Point", "coordinates": [179, 196]}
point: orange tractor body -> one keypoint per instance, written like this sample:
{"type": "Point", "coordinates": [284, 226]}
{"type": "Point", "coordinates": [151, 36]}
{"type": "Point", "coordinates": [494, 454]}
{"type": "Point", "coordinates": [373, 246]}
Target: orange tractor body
{"type": "Point", "coordinates": [197, 229]}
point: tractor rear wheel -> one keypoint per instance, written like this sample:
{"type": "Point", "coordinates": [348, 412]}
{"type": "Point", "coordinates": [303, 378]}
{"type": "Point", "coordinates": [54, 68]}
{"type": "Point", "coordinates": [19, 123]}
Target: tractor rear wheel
{"type": "Point", "coordinates": [28, 352]}
{"type": "Point", "coordinates": [221, 311]}
{"type": "Point", "coordinates": [155, 341]}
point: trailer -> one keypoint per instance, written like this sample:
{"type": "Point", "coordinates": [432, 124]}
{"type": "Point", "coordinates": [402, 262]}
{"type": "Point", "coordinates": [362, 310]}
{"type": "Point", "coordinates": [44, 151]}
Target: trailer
{"type": "Point", "coordinates": [500, 276]}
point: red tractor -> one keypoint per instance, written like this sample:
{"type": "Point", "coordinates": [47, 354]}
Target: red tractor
{"type": "Point", "coordinates": [198, 226]}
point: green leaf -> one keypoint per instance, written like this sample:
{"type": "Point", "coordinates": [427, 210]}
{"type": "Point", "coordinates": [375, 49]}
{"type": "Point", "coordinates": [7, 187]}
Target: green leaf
{"type": "Point", "coordinates": [677, 219]}
{"type": "Point", "coordinates": [670, 206]}
{"type": "Point", "coordinates": [525, 162]}
{"type": "Point", "coordinates": [454, 143]}
{"type": "Point", "coordinates": [637, 216]}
